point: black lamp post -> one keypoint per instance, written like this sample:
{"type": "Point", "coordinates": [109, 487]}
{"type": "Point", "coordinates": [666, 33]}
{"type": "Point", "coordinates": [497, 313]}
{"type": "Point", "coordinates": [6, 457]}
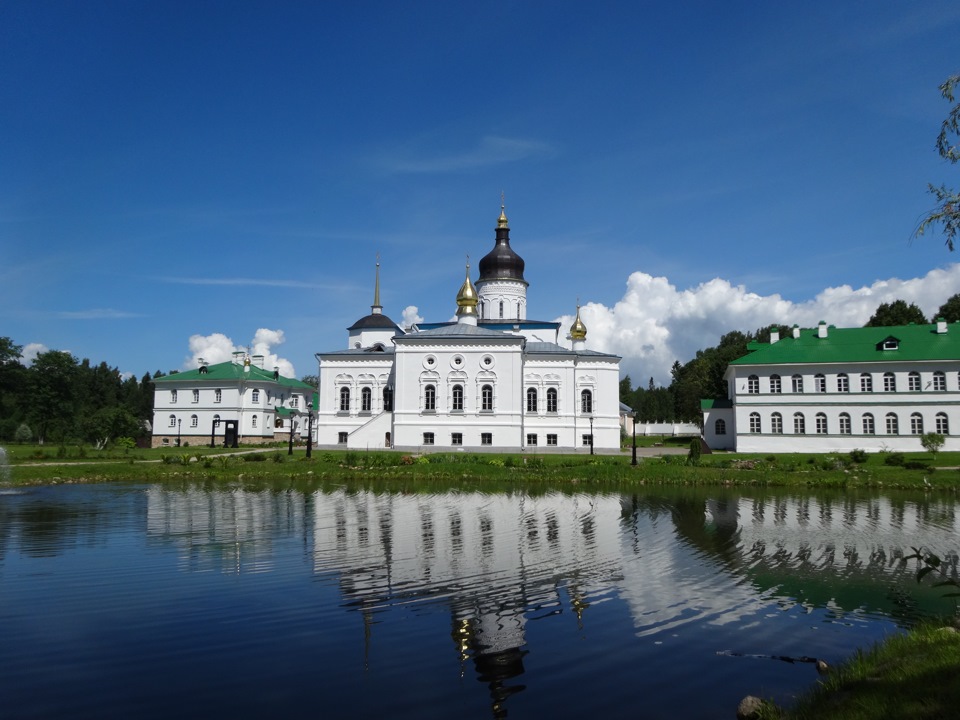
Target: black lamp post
{"type": "Point", "coordinates": [178, 432]}
{"type": "Point", "coordinates": [309, 428]}
{"type": "Point", "coordinates": [591, 434]}
{"type": "Point", "coordinates": [290, 449]}
{"type": "Point", "coordinates": [634, 461]}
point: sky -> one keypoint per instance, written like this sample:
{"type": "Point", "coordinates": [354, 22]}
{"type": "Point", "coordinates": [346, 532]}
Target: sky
{"type": "Point", "coordinates": [183, 179]}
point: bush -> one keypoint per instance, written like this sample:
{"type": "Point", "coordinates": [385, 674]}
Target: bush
{"type": "Point", "coordinates": [278, 457]}
{"type": "Point", "coordinates": [896, 459]}
{"type": "Point", "coordinates": [858, 456]}
{"type": "Point", "coordinates": [254, 457]}
{"type": "Point", "coordinates": [23, 434]}
{"type": "Point", "coordinates": [694, 455]}
{"type": "Point", "coordinates": [917, 465]}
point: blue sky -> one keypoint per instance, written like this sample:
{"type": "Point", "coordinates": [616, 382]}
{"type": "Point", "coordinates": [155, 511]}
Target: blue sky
{"type": "Point", "coordinates": [172, 170]}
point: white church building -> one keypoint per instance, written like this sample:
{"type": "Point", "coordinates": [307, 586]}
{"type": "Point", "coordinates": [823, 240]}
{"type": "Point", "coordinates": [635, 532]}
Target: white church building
{"type": "Point", "coordinates": [492, 380]}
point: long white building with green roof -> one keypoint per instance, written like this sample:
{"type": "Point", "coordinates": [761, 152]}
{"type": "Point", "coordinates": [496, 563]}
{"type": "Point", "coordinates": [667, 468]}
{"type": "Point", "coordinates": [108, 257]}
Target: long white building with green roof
{"type": "Point", "coordinates": [830, 389]}
{"type": "Point", "coordinates": [232, 402]}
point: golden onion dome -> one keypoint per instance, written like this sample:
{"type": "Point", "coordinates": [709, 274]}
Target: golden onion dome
{"type": "Point", "coordinates": [578, 331]}
{"type": "Point", "coordinates": [467, 297]}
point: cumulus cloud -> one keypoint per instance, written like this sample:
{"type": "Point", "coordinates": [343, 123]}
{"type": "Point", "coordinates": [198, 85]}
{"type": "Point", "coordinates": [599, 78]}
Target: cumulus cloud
{"type": "Point", "coordinates": [655, 323]}
{"type": "Point", "coordinates": [410, 316]}
{"type": "Point", "coordinates": [30, 352]}
{"type": "Point", "coordinates": [217, 348]}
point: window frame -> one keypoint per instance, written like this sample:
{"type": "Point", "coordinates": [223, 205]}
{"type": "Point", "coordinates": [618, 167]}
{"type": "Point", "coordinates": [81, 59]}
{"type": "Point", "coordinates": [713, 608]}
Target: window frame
{"type": "Point", "coordinates": [866, 382]}
{"type": "Point", "coordinates": [892, 424]}
{"type": "Point", "coordinates": [820, 383]}
{"type": "Point", "coordinates": [942, 423]}
{"type": "Point", "coordinates": [869, 424]}
{"type": "Point", "coordinates": [755, 423]}
{"type": "Point", "coordinates": [914, 382]}
{"type": "Point", "coordinates": [799, 423]}
{"type": "Point", "coordinates": [486, 438]}
{"type": "Point", "coordinates": [532, 400]}
{"type": "Point", "coordinates": [456, 398]}
{"type": "Point", "coordinates": [916, 423]}
{"type": "Point", "coordinates": [586, 401]}
{"type": "Point", "coordinates": [796, 382]}
{"type": "Point", "coordinates": [776, 423]}
{"type": "Point", "coordinates": [552, 400]}
{"type": "Point", "coordinates": [939, 381]}
{"type": "Point", "coordinates": [821, 424]}
{"type": "Point", "coordinates": [845, 424]}
{"type": "Point", "coordinates": [843, 383]}
{"type": "Point", "coordinates": [486, 398]}
{"type": "Point", "coordinates": [344, 406]}
{"type": "Point", "coordinates": [776, 384]}
{"type": "Point", "coordinates": [720, 427]}
{"type": "Point", "coordinates": [889, 382]}
{"type": "Point", "coordinates": [753, 385]}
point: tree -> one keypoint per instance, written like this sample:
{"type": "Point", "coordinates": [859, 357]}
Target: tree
{"type": "Point", "coordinates": [932, 442]}
{"type": "Point", "coordinates": [311, 380]}
{"type": "Point", "coordinates": [24, 433]}
{"type": "Point", "coordinates": [896, 313]}
{"type": "Point", "coordinates": [950, 310]}
{"type": "Point", "coordinates": [626, 392]}
{"type": "Point", "coordinates": [947, 210]}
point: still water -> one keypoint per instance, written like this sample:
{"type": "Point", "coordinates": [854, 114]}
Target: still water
{"type": "Point", "coordinates": [147, 601]}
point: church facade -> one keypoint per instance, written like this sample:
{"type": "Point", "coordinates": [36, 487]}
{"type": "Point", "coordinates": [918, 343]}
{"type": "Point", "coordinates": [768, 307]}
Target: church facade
{"type": "Point", "coordinates": [493, 380]}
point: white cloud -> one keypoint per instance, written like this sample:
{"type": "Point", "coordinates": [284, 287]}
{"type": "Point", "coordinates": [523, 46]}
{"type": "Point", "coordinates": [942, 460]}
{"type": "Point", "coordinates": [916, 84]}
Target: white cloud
{"type": "Point", "coordinates": [655, 324]}
{"type": "Point", "coordinates": [410, 316]}
{"type": "Point", "coordinates": [30, 352]}
{"type": "Point", "coordinates": [217, 348]}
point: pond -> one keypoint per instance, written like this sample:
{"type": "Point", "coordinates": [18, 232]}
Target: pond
{"type": "Point", "coordinates": [154, 601]}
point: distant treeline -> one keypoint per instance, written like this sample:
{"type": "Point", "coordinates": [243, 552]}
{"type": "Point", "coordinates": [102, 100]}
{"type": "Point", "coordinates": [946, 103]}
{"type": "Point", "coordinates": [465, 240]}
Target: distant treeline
{"type": "Point", "coordinates": [59, 399]}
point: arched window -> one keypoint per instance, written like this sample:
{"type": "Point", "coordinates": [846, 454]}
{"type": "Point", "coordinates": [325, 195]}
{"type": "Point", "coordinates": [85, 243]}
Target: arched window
{"type": "Point", "coordinates": [821, 424]}
{"type": "Point", "coordinates": [551, 400]}
{"type": "Point", "coordinates": [845, 425]}
{"type": "Point", "coordinates": [889, 382]}
{"type": "Point", "coordinates": [819, 383]}
{"type": "Point", "coordinates": [430, 398]}
{"type": "Point", "coordinates": [217, 395]}
{"type": "Point", "coordinates": [173, 421]}
{"type": "Point", "coordinates": [939, 381]}
{"type": "Point", "coordinates": [344, 399]}
{"type": "Point", "coordinates": [799, 424]}
{"type": "Point", "coordinates": [486, 398]}
{"type": "Point", "coordinates": [943, 424]}
{"type": "Point", "coordinates": [916, 424]}
{"type": "Point", "coordinates": [775, 384]}
{"type": "Point", "coordinates": [366, 399]}
{"type": "Point", "coordinates": [843, 383]}
{"type": "Point", "coordinates": [797, 383]}
{"type": "Point", "coordinates": [754, 422]}
{"type": "Point", "coordinates": [457, 399]}
{"type": "Point", "coordinates": [194, 421]}
{"type": "Point", "coordinates": [893, 426]}
{"type": "Point", "coordinates": [586, 402]}
{"type": "Point", "coordinates": [531, 400]}
{"type": "Point", "coordinates": [720, 427]}
{"type": "Point", "coordinates": [866, 382]}
{"type": "Point", "coordinates": [253, 421]}
{"type": "Point", "coordinates": [913, 381]}
{"type": "Point", "coordinates": [753, 385]}
{"type": "Point", "coordinates": [776, 423]}
{"type": "Point", "coordinates": [869, 428]}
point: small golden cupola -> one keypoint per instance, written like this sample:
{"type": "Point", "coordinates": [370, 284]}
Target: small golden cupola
{"type": "Point", "coordinates": [467, 301]}
{"type": "Point", "coordinates": [578, 331]}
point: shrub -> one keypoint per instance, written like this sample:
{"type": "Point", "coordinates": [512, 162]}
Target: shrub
{"type": "Point", "coordinates": [694, 454]}
{"type": "Point", "coordinates": [896, 459]}
{"type": "Point", "coordinates": [858, 456]}
{"type": "Point", "coordinates": [917, 465]}
{"type": "Point", "coordinates": [23, 434]}
{"type": "Point", "coordinates": [278, 457]}
{"type": "Point", "coordinates": [254, 457]}
{"type": "Point", "coordinates": [932, 442]}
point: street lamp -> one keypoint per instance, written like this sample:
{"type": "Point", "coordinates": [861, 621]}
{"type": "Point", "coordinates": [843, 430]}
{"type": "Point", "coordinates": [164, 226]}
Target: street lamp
{"type": "Point", "coordinates": [309, 428]}
{"type": "Point", "coordinates": [591, 434]}
{"type": "Point", "coordinates": [178, 432]}
{"type": "Point", "coordinates": [290, 449]}
{"type": "Point", "coordinates": [634, 461]}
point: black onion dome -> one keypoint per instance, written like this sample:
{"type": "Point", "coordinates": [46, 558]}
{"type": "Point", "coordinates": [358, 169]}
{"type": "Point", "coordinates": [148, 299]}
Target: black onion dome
{"type": "Point", "coordinates": [502, 263]}
{"type": "Point", "coordinates": [372, 321]}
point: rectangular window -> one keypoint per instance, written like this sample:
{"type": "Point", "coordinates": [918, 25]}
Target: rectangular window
{"type": "Point", "coordinates": [775, 386]}
{"type": "Point", "coordinates": [939, 382]}
{"type": "Point", "coordinates": [173, 396]}
{"type": "Point", "coordinates": [587, 439]}
{"type": "Point", "coordinates": [294, 402]}
{"type": "Point", "coordinates": [428, 438]}
{"type": "Point", "coordinates": [255, 397]}
{"type": "Point", "coordinates": [456, 438]}
{"type": "Point", "coordinates": [342, 438]}
{"type": "Point", "coordinates": [866, 382]}
{"type": "Point", "coordinates": [196, 396]}
{"type": "Point", "coordinates": [218, 395]}
{"type": "Point", "coordinates": [531, 438]}
{"type": "Point", "coordinates": [797, 383]}
{"type": "Point", "coordinates": [889, 382]}
{"type": "Point", "coordinates": [551, 439]}
{"type": "Point", "coordinates": [868, 426]}
{"type": "Point", "coordinates": [486, 438]}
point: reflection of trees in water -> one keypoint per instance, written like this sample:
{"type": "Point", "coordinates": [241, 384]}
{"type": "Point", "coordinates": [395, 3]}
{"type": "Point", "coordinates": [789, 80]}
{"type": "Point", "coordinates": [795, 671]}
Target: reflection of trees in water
{"type": "Point", "coordinates": [46, 522]}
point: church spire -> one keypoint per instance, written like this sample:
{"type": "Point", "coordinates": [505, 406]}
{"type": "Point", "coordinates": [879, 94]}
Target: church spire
{"type": "Point", "coordinates": [377, 308]}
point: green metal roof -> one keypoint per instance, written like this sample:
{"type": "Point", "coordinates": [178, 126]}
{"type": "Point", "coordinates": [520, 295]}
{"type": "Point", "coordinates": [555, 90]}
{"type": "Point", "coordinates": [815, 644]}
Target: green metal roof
{"type": "Point", "coordinates": [232, 372]}
{"type": "Point", "coordinates": [847, 345]}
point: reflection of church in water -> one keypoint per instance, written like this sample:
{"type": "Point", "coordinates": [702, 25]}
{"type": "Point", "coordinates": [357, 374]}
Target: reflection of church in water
{"type": "Point", "coordinates": [497, 561]}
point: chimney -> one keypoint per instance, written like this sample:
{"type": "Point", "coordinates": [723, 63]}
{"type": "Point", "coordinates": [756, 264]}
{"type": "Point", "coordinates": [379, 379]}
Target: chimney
{"type": "Point", "coordinates": [258, 361]}
{"type": "Point", "coordinates": [941, 326]}
{"type": "Point", "coordinates": [822, 329]}
{"type": "Point", "coordinates": [796, 332]}
{"type": "Point", "coordinates": [276, 372]}
{"type": "Point", "coordinates": [774, 334]}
